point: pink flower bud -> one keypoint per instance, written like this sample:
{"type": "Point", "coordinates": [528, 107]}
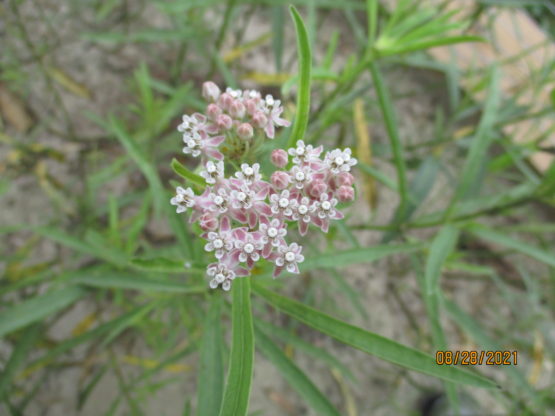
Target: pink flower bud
{"type": "Point", "coordinates": [210, 91]}
{"type": "Point", "coordinates": [225, 101]}
{"type": "Point", "coordinates": [345, 178]}
{"type": "Point", "coordinates": [316, 188]}
{"type": "Point", "coordinates": [259, 120]}
{"type": "Point", "coordinates": [346, 193]}
{"type": "Point", "coordinates": [213, 111]}
{"type": "Point", "coordinates": [237, 109]}
{"type": "Point", "coordinates": [245, 131]}
{"type": "Point", "coordinates": [224, 122]}
{"type": "Point", "coordinates": [208, 222]}
{"type": "Point", "coordinates": [279, 158]}
{"type": "Point", "coordinates": [250, 105]}
{"type": "Point", "coordinates": [280, 179]}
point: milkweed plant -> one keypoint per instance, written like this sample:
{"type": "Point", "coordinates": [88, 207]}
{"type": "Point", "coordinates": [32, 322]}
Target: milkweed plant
{"type": "Point", "coordinates": [246, 217]}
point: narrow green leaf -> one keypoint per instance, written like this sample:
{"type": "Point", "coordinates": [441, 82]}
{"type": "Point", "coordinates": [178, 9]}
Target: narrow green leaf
{"type": "Point", "coordinates": [211, 374]}
{"type": "Point", "coordinates": [187, 174]}
{"type": "Point", "coordinates": [517, 245]}
{"type": "Point", "coordinates": [371, 343]}
{"type": "Point", "coordinates": [303, 94]}
{"type": "Point", "coordinates": [379, 176]}
{"type": "Point", "coordinates": [478, 149]}
{"type": "Point", "coordinates": [19, 353]}
{"type": "Point", "coordinates": [163, 265]}
{"type": "Point", "coordinates": [239, 377]}
{"type": "Point", "coordinates": [442, 245]}
{"type": "Point", "coordinates": [112, 280]}
{"type": "Point", "coordinates": [37, 308]}
{"type": "Point", "coordinates": [298, 380]}
{"type": "Point", "coordinates": [388, 113]}
{"type": "Point", "coordinates": [146, 167]}
{"type": "Point", "coordinates": [358, 255]}
{"type": "Point", "coordinates": [372, 14]}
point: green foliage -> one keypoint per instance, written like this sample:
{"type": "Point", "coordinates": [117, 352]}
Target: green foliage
{"type": "Point", "coordinates": [451, 208]}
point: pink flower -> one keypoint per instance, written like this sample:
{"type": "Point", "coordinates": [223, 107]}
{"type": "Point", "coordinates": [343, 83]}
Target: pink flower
{"type": "Point", "coordinates": [325, 210]}
{"type": "Point", "coordinates": [247, 247]}
{"type": "Point", "coordinates": [208, 222]}
{"type": "Point", "coordinates": [210, 91]}
{"type": "Point", "coordinates": [220, 200]}
{"type": "Point", "coordinates": [225, 100]}
{"type": "Point", "coordinates": [183, 199]}
{"type": "Point", "coordinates": [300, 176]}
{"type": "Point", "coordinates": [273, 109]}
{"type": "Point", "coordinates": [282, 204]}
{"type": "Point", "coordinates": [302, 211]}
{"type": "Point", "coordinates": [345, 178]}
{"type": "Point", "coordinates": [222, 273]}
{"type": "Point", "coordinates": [220, 242]}
{"type": "Point", "coordinates": [280, 179]}
{"type": "Point", "coordinates": [213, 172]}
{"type": "Point", "coordinates": [249, 174]}
{"type": "Point", "coordinates": [249, 205]}
{"type": "Point", "coordinates": [273, 233]}
{"type": "Point", "coordinates": [259, 120]}
{"type": "Point", "coordinates": [339, 161]}
{"type": "Point", "coordinates": [345, 193]}
{"type": "Point", "coordinates": [288, 258]}
{"type": "Point", "coordinates": [279, 158]}
{"type": "Point", "coordinates": [306, 154]}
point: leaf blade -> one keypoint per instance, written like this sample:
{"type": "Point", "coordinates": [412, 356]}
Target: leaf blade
{"type": "Point", "coordinates": [371, 343]}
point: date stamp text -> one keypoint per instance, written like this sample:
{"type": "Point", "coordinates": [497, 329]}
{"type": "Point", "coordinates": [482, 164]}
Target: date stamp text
{"type": "Point", "coordinates": [476, 357]}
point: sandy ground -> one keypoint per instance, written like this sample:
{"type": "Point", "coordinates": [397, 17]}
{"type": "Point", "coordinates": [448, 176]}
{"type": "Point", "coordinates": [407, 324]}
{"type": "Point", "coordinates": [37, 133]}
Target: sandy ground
{"type": "Point", "coordinates": [381, 388]}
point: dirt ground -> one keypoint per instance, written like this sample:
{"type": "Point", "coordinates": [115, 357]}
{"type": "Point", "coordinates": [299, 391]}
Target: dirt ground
{"type": "Point", "coordinates": [388, 287]}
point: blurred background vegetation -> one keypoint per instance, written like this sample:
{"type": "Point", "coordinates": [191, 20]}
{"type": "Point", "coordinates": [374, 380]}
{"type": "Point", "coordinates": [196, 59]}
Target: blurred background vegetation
{"type": "Point", "coordinates": [98, 314]}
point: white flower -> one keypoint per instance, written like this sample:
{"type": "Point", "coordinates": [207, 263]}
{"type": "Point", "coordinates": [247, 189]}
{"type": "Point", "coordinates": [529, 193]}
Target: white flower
{"type": "Point", "coordinates": [220, 199]}
{"type": "Point", "coordinates": [221, 274]}
{"type": "Point", "coordinates": [183, 199]}
{"type": "Point", "coordinates": [302, 209]}
{"type": "Point", "coordinates": [273, 232]}
{"type": "Point", "coordinates": [339, 160]}
{"type": "Point", "coordinates": [304, 153]}
{"type": "Point", "coordinates": [219, 242]}
{"type": "Point", "coordinates": [282, 203]}
{"type": "Point", "coordinates": [300, 176]}
{"type": "Point", "coordinates": [250, 174]}
{"type": "Point", "coordinates": [213, 172]}
{"type": "Point", "coordinates": [325, 208]}
{"type": "Point", "coordinates": [288, 258]}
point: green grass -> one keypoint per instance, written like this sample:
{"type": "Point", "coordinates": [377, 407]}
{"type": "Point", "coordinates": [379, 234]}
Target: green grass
{"type": "Point", "coordinates": [461, 229]}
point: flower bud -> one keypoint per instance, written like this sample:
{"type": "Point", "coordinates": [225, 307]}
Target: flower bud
{"type": "Point", "coordinates": [346, 193]}
{"type": "Point", "coordinates": [237, 109]}
{"type": "Point", "coordinates": [280, 179]}
{"type": "Point", "coordinates": [259, 120]}
{"type": "Point", "coordinates": [316, 188]}
{"type": "Point", "coordinates": [279, 158]}
{"type": "Point", "coordinates": [250, 106]}
{"type": "Point", "coordinates": [210, 91]}
{"type": "Point", "coordinates": [345, 178]}
{"type": "Point", "coordinates": [208, 222]}
{"type": "Point", "coordinates": [245, 131]}
{"type": "Point", "coordinates": [225, 101]}
{"type": "Point", "coordinates": [213, 111]}
{"type": "Point", "coordinates": [224, 122]}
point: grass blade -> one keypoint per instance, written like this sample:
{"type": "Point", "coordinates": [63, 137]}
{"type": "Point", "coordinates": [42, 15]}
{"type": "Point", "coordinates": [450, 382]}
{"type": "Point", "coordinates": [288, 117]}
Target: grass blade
{"type": "Point", "coordinates": [37, 308]}
{"type": "Point", "coordinates": [388, 113]}
{"type": "Point", "coordinates": [294, 375]}
{"type": "Point", "coordinates": [239, 377]}
{"type": "Point", "coordinates": [303, 95]}
{"type": "Point", "coordinates": [517, 245]}
{"type": "Point", "coordinates": [211, 374]}
{"type": "Point", "coordinates": [358, 255]}
{"type": "Point", "coordinates": [19, 353]}
{"type": "Point", "coordinates": [371, 343]}
{"type": "Point", "coordinates": [113, 280]}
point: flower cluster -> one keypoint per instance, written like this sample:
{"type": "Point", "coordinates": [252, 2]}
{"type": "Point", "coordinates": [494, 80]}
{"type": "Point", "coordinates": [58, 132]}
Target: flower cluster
{"type": "Point", "coordinates": [246, 218]}
{"type": "Point", "coordinates": [238, 113]}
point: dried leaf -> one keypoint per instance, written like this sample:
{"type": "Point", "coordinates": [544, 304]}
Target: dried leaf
{"type": "Point", "coordinates": [13, 111]}
{"type": "Point", "coordinates": [69, 83]}
{"type": "Point", "coordinates": [364, 149]}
